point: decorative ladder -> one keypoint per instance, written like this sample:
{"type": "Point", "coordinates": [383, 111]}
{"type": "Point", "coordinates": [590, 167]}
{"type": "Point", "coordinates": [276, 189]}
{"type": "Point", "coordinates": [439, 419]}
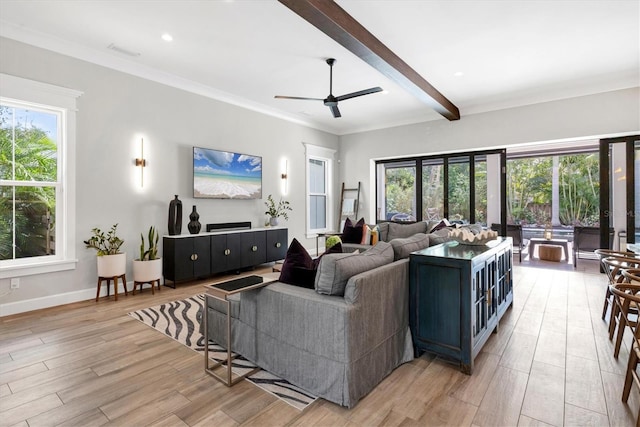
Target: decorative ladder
{"type": "Point", "coordinates": [353, 210]}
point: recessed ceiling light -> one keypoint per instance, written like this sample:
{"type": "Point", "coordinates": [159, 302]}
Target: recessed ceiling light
{"type": "Point", "coordinates": [458, 74]}
{"type": "Point", "coordinates": [385, 92]}
{"type": "Point", "coordinates": [167, 37]}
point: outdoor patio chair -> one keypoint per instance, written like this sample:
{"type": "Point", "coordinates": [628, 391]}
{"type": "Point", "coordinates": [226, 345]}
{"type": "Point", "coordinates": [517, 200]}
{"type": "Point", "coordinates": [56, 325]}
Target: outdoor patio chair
{"type": "Point", "coordinates": [587, 239]}
{"type": "Point", "coordinates": [515, 232]}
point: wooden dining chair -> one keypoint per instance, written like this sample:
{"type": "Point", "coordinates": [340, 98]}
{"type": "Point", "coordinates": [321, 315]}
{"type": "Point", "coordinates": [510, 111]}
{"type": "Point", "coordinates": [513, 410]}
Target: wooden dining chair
{"type": "Point", "coordinates": [614, 266]}
{"type": "Point", "coordinates": [605, 253]}
{"type": "Point", "coordinates": [627, 295]}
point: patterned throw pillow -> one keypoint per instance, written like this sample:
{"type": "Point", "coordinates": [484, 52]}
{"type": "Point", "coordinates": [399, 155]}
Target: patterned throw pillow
{"type": "Point", "coordinates": [366, 235]}
{"type": "Point", "coordinates": [375, 235]}
{"type": "Point", "coordinates": [352, 233]}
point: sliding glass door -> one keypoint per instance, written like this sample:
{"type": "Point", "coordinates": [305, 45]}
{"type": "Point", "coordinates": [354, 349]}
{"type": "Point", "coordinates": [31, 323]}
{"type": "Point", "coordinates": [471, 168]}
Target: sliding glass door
{"type": "Point", "coordinates": [463, 187]}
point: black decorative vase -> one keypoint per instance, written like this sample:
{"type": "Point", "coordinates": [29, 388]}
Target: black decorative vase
{"type": "Point", "coordinates": [194, 224]}
{"type": "Point", "coordinates": [175, 217]}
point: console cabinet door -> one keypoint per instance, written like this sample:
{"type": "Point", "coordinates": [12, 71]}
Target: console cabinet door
{"type": "Point", "coordinates": [186, 258]}
{"type": "Point", "coordinates": [201, 256]}
{"type": "Point", "coordinates": [253, 248]}
{"type": "Point", "coordinates": [225, 253]}
{"type": "Point", "coordinates": [276, 244]}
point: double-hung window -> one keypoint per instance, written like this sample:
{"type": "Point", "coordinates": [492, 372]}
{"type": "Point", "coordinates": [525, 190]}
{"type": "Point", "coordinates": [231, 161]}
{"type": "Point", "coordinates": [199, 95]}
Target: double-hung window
{"type": "Point", "coordinates": [319, 184]}
{"type": "Point", "coordinates": [37, 137]}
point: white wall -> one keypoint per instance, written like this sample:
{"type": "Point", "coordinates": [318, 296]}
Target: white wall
{"type": "Point", "coordinates": [605, 114]}
{"type": "Point", "coordinates": [114, 111]}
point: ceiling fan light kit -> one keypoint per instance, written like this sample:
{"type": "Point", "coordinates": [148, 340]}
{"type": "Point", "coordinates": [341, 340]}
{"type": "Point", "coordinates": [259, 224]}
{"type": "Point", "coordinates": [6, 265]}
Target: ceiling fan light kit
{"type": "Point", "coordinates": [332, 101]}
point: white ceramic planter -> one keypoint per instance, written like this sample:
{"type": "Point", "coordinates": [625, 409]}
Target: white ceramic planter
{"type": "Point", "coordinates": [112, 265]}
{"type": "Point", "coordinates": [146, 271]}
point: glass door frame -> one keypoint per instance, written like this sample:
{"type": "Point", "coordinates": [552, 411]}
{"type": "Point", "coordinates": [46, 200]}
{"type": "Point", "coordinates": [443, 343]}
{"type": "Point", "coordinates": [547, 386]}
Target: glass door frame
{"type": "Point", "coordinates": [605, 185]}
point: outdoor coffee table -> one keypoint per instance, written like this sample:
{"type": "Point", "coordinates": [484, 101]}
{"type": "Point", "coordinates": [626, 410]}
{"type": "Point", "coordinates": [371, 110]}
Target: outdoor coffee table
{"type": "Point", "coordinates": [564, 243]}
{"type": "Point", "coordinates": [221, 291]}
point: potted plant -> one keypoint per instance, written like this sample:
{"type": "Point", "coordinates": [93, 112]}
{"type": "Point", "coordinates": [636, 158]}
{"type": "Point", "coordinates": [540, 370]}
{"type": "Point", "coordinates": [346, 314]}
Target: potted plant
{"type": "Point", "coordinates": [275, 211]}
{"type": "Point", "coordinates": [148, 268]}
{"type": "Point", "coordinates": [111, 262]}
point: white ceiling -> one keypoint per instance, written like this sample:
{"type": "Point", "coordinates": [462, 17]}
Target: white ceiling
{"type": "Point", "coordinates": [512, 52]}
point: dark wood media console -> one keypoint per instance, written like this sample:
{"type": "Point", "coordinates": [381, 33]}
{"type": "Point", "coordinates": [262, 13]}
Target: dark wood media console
{"type": "Point", "coordinates": [194, 256]}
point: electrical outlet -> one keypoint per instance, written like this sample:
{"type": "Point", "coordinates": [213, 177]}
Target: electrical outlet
{"type": "Point", "coordinates": [15, 283]}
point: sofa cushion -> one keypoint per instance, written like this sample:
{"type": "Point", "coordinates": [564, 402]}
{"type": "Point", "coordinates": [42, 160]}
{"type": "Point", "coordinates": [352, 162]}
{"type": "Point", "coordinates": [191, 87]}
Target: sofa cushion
{"type": "Point", "coordinates": [403, 247]}
{"type": "Point", "coordinates": [352, 233]}
{"type": "Point", "coordinates": [405, 230]}
{"type": "Point", "coordinates": [335, 269]}
{"type": "Point", "coordinates": [439, 236]}
{"type": "Point", "coordinates": [383, 232]}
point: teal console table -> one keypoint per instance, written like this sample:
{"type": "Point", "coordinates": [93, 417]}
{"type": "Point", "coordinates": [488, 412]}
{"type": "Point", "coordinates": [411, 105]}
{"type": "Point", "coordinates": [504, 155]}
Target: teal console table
{"type": "Point", "coordinates": [458, 294]}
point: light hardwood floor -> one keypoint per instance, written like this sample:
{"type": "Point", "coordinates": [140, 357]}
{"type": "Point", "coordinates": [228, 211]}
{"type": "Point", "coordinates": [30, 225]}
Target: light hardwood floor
{"type": "Point", "coordinates": [89, 364]}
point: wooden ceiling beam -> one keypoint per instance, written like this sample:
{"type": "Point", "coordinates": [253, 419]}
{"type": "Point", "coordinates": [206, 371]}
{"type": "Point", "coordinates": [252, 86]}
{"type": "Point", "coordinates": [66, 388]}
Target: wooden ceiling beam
{"type": "Point", "coordinates": [331, 19]}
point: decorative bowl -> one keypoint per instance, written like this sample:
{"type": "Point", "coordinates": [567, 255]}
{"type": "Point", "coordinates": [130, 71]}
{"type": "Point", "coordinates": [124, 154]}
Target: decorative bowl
{"type": "Point", "coordinates": [466, 237]}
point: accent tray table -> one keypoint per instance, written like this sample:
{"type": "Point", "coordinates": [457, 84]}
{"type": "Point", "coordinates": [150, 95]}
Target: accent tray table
{"type": "Point", "coordinates": [221, 291]}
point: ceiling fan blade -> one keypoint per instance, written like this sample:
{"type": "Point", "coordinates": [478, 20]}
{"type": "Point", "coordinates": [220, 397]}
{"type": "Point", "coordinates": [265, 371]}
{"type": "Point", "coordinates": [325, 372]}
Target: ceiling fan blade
{"type": "Point", "coordinates": [298, 97]}
{"type": "Point", "coordinates": [335, 111]}
{"type": "Point", "coordinates": [359, 93]}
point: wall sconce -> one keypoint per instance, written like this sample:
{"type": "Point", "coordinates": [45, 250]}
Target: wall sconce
{"type": "Point", "coordinates": [285, 177]}
{"type": "Point", "coordinates": [141, 162]}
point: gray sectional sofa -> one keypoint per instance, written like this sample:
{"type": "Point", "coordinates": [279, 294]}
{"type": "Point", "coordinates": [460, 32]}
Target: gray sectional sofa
{"type": "Point", "coordinates": [338, 347]}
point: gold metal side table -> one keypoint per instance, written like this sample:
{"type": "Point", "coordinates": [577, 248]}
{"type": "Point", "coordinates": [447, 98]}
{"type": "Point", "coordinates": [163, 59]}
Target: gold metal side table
{"type": "Point", "coordinates": [221, 291]}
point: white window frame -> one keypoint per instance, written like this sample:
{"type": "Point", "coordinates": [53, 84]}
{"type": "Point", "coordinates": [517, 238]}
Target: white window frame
{"type": "Point", "coordinates": [315, 152]}
{"type": "Point", "coordinates": [24, 93]}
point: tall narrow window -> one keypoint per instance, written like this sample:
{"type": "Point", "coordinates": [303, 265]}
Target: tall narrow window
{"type": "Point", "coordinates": [319, 183]}
{"type": "Point", "coordinates": [30, 184]}
{"type": "Point", "coordinates": [37, 136]}
{"type": "Point", "coordinates": [317, 194]}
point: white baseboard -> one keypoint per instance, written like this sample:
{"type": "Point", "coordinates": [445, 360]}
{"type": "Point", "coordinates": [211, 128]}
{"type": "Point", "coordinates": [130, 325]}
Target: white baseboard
{"type": "Point", "coordinates": [54, 300]}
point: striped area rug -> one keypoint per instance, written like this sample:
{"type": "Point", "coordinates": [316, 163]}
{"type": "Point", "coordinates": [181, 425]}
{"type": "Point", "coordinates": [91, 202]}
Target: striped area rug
{"type": "Point", "coordinates": [180, 320]}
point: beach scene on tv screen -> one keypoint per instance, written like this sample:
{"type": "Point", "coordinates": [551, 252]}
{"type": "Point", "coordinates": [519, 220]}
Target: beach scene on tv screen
{"type": "Point", "coordinates": [226, 175]}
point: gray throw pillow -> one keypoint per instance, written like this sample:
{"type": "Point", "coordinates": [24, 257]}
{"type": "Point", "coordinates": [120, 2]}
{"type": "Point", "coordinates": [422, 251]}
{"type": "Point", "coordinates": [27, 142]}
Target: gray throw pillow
{"type": "Point", "coordinates": [335, 269]}
{"type": "Point", "coordinates": [403, 247]}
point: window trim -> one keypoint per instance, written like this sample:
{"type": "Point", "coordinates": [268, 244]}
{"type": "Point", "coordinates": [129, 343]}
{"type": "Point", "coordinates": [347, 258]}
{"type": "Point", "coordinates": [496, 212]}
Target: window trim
{"type": "Point", "coordinates": [24, 93]}
{"type": "Point", "coordinates": [315, 152]}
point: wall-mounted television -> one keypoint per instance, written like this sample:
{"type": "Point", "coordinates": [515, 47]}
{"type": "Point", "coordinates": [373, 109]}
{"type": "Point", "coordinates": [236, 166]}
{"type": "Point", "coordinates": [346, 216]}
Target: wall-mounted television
{"type": "Point", "coordinates": [226, 175]}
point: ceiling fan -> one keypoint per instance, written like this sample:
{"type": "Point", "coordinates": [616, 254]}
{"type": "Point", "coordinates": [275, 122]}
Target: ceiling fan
{"type": "Point", "coordinates": [332, 101]}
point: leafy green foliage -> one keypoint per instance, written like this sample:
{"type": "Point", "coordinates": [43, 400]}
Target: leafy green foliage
{"type": "Point", "coordinates": [151, 253]}
{"type": "Point", "coordinates": [105, 244]}
{"type": "Point", "coordinates": [530, 189]}
{"type": "Point", "coordinates": [400, 189]}
{"type": "Point", "coordinates": [279, 210]}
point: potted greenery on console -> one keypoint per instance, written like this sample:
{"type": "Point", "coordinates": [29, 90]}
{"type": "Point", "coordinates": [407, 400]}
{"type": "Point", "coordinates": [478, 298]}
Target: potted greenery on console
{"type": "Point", "coordinates": [111, 262]}
{"type": "Point", "coordinates": [148, 268]}
{"type": "Point", "coordinates": [275, 211]}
